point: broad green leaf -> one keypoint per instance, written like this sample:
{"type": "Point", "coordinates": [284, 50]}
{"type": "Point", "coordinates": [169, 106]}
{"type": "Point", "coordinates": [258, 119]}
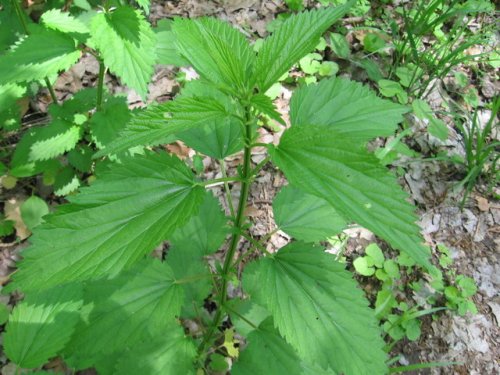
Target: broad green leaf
{"type": "Point", "coordinates": [202, 235]}
{"type": "Point", "coordinates": [349, 108]}
{"type": "Point", "coordinates": [38, 56]}
{"type": "Point", "coordinates": [10, 25]}
{"type": "Point", "coordinates": [60, 135]}
{"type": "Point", "coordinates": [169, 120]}
{"type": "Point", "coordinates": [9, 94]}
{"type": "Point", "coordinates": [171, 353]}
{"type": "Point", "coordinates": [362, 266]}
{"type": "Point", "coordinates": [217, 51]}
{"type": "Point", "coordinates": [296, 36]}
{"type": "Point", "coordinates": [341, 171]}
{"type": "Point", "coordinates": [129, 210]}
{"type": "Point", "coordinates": [66, 181]}
{"type": "Point", "coordinates": [80, 103]}
{"type": "Point", "coordinates": [63, 21]}
{"type": "Point", "coordinates": [55, 139]}
{"type": "Point", "coordinates": [244, 311]}
{"type": "Point", "coordinates": [41, 325]}
{"type": "Point", "coordinates": [126, 43]}
{"type": "Point", "coordinates": [306, 217]}
{"type": "Point", "coordinates": [167, 52]}
{"type": "Point", "coordinates": [33, 210]}
{"type": "Point", "coordinates": [267, 353]}
{"type": "Point", "coordinates": [81, 158]}
{"type": "Point", "coordinates": [339, 45]}
{"type": "Point", "coordinates": [218, 136]}
{"type": "Point", "coordinates": [147, 127]}
{"type": "Point", "coordinates": [265, 105]}
{"type": "Point", "coordinates": [137, 304]}
{"type": "Point", "coordinates": [106, 124]}
{"type": "Point", "coordinates": [315, 305]}
{"type": "Point", "coordinates": [438, 128]}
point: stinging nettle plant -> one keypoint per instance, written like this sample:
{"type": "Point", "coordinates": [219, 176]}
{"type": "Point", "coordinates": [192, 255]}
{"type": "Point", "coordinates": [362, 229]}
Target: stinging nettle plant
{"type": "Point", "coordinates": [95, 296]}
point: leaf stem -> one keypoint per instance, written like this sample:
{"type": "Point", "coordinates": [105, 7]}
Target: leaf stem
{"type": "Point", "coordinates": [241, 316]}
{"type": "Point", "coordinates": [100, 85]}
{"type": "Point", "coordinates": [229, 198]}
{"type": "Point", "coordinates": [51, 91]}
{"type": "Point", "coordinates": [219, 180]}
{"type": "Point", "coordinates": [259, 166]}
{"type": "Point", "coordinates": [235, 238]}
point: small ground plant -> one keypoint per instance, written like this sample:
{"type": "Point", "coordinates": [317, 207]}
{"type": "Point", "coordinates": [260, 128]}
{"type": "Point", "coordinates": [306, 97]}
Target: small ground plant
{"type": "Point", "coordinates": [96, 296]}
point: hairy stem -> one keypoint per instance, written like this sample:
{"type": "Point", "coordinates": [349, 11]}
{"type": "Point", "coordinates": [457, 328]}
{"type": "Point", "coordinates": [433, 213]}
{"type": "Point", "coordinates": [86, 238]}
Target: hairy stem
{"type": "Point", "coordinates": [235, 238]}
{"type": "Point", "coordinates": [51, 91]}
{"type": "Point", "coordinates": [219, 181]}
{"type": "Point", "coordinates": [100, 85]}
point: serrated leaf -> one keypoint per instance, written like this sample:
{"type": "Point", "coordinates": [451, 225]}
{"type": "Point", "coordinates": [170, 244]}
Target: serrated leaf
{"type": "Point", "coordinates": [9, 94]}
{"type": "Point", "coordinates": [167, 121]}
{"type": "Point", "coordinates": [167, 52]}
{"type": "Point", "coordinates": [80, 103]}
{"type": "Point", "coordinates": [296, 36]}
{"type": "Point", "coordinates": [63, 21]}
{"type": "Point", "coordinates": [66, 181]}
{"type": "Point", "coordinates": [33, 210]}
{"type": "Point", "coordinates": [267, 353]}
{"type": "Point", "coordinates": [216, 50]}
{"type": "Point", "coordinates": [341, 171]}
{"type": "Point", "coordinates": [126, 43]}
{"type": "Point", "coordinates": [315, 305]}
{"type": "Point", "coordinates": [112, 224]}
{"type": "Point", "coordinates": [42, 324]}
{"type": "Point", "coordinates": [265, 105]}
{"type": "Point", "coordinates": [106, 124]}
{"type": "Point", "coordinates": [37, 56]}
{"type": "Point", "coordinates": [171, 353]}
{"type": "Point", "coordinates": [55, 139]}
{"type": "Point", "coordinates": [81, 158]}
{"type": "Point", "coordinates": [349, 108]}
{"type": "Point", "coordinates": [306, 217]}
{"type": "Point", "coordinates": [144, 4]}
{"type": "Point", "coordinates": [137, 304]}
{"type": "Point", "coordinates": [202, 235]}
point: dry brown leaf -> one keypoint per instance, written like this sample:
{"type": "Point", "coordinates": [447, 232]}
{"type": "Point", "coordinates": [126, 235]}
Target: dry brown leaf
{"type": "Point", "coordinates": [483, 204]}
{"type": "Point", "coordinates": [13, 212]}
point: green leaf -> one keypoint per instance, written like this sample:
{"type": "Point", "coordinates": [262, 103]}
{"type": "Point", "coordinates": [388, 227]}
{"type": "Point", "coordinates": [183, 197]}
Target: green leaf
{"type": "Point", "coordinates": [438, 128]}
{"type": "Point", "coordinates": [296, 36]}
{"type": "Point", "coordinates": [144, 4]}
{"type": "Point", "coordinates": [265, 105]}
{"type": "Point", "coordinates": [339, 45]}
{"type": "Point", "coordinates": [42, 324]}
{"type": "Point", "coordinates": [137, 304]}
{"type": "Point", "coordinates": [372, 42]}
{"type": "Point", "coordinates": [166, 45]}
{"type": "Point", "coordinates": [129, 210]}
{"type": "Point", "coordinates": [38, 56]}
{"type": "Point", "coordinates": [306, 217]}
{"type": "Point", "coordinates": [4, 313]}
{"type": "Point", "coordinates": [33, 210]}
{"type": "Point", "coordinates": [421, 109]}
{"type": "Point", "coordinates": [171, 353]}
{"type": "Point", "coordinates": [126, 43]}
{"type": "Point", "coordinates": [217, 51]}
{"type": "Point", "coordinates": [66, 181]}
{"type": "Point", "coordinates": [342, 172]}
{"type": "Point", "coordinates": [64, 22]}
{"type": "Point", "coordinates": [201, 236]}
{"type": "Point", "coordinates": [54, 140]}
{"type": "Point", "coordinates": [267, 353]}
{"type": "Point", "coordinates": [81, 158]}
{"type": "Point", "coordinates": [362, 267]}
{"type": "Point", "coordinates": [375, 253]}
{"type": "Point", "coordinates": [170, 120]}
{"type": "Point", "coordinates": [147, 127]}
{"type": "Point", "coordinates": [106, 124]}
{"type": "Point", "coordinates": [315, 305]}
{"type": "Point", "coordinates": [346, 107]}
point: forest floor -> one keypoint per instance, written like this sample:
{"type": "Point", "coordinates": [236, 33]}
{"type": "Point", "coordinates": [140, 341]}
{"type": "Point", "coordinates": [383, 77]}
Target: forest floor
{"type": "Point", "coordinates": [471, 234]}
